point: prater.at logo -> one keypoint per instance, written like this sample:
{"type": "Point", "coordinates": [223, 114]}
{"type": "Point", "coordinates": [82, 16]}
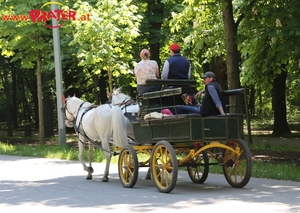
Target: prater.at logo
{"type": "Point", "coordinates": [43, 16]}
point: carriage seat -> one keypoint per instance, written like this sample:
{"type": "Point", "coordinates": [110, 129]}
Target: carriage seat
{"type": "Point", "coordinates": [239, 91]}
{"type": "Point", "coordinates": [159, 116]}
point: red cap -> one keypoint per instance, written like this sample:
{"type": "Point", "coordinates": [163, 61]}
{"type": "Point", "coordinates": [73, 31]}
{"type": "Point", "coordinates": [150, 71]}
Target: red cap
{"type": "Point", "coordinates": [174, 47]}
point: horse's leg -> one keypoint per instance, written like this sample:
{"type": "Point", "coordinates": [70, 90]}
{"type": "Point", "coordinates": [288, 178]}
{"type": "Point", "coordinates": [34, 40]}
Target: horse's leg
{"type": "Point", "coordinates": [80, 157]}
{"type": "Point", "coordinates": [90, 168]}
{"type": "Point", "coordinates": [108, 155]}
{"type": "Point", "coordinates": [148, 175]}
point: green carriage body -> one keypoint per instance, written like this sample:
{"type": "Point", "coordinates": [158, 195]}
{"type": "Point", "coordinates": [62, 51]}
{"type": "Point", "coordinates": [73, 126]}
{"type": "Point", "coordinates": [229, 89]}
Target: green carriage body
{"type": "Point", "coordinates": [183, 127]}
{"type": "Point", "coordinates": [189, 129]}
{"type": "Point", "coordinates": [184, 140]}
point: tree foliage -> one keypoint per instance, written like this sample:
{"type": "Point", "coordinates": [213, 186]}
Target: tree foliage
{"type": "Point", "coordinates": [105, 41]}
{"type": "Point", "coordinates": [99, 49]}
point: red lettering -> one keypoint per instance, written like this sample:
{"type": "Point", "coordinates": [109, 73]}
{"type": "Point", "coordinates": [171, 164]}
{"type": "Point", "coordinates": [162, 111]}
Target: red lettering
{"type": "Point", "coordinates": [43, 17]}
{"type": "Point", "coordinates": [72, 15]}
{"type": "Point", "coordinates": [58, 13]}
{"type": "Point", "coordinates": [23, 18]}
{"type": "Point", "coordinates": [51, 14]}
{"type": "Point", "coordinates": [15, 18]}
{"type": "Point", "coordinates": [64, 15]}
{"type": "Point", "coordinates": [88, 17]}
{"type": "Point", "coordinates": [34, 14]}
{"type": "Point", "coordinates": [6, 17]}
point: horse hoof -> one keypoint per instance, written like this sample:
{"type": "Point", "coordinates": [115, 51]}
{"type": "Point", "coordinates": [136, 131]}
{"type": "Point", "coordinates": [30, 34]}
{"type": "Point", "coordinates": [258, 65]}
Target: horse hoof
{"type": "Point", "coordinates": [89, 177]}
{"type": "Point", "coordinates": [90, 169]}
{"type": "Point", "coordinates": [104, 179]}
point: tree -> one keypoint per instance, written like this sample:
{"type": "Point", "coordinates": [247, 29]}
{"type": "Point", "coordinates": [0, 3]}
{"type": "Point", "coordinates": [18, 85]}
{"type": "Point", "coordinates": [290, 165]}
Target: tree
{"type": "Point", "coordinates": [4, 74]}
{"type": "Point", "coordinates": [32, 52]}
{"type": "Point", "coordinates": [106, 39]}
{"type": "Point", "coordinates": [232, 52]}
{"type": "Point", "coordinates": [271, 56]}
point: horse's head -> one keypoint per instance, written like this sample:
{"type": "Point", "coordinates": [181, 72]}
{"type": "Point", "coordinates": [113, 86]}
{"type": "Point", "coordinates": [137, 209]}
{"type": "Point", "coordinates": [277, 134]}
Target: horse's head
{"type": "Point", "coordinates": [119, 98]}
{"type": "Point", "coordinates": [70, 109]}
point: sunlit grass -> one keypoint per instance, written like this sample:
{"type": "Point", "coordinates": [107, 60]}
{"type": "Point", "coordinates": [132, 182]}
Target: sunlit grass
{"type": "Point", "coordinates": [268, 146]}
{"type": "Point", "coordinates": [279, 171]}
{"type": "Point", "coordinates": [47, 151]}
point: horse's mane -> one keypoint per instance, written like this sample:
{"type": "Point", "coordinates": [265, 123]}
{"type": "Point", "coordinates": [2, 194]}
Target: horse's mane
{"type": "Point", "coordinates": [75, 99]}
{"type": "Point", "coordinates": [120, 96]}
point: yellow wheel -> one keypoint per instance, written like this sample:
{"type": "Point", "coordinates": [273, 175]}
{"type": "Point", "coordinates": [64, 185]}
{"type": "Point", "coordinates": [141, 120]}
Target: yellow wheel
{"type": "Point", "coordinates": [237, 168]}
{"type": "Point", "coordinates": [164, 166]}
{"type": "Point", "coordinates": [128, 166]}
{"type": "Point", "coordinates": [198, 168]}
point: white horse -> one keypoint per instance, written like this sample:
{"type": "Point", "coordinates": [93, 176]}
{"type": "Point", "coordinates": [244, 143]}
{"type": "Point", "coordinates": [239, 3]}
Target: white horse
{"type": "Point", "coordinates": [93, 123]}
{"type": "Point", "coordinates": [129, 107]}
{"type": "Point", "coordinates": [124, 101]}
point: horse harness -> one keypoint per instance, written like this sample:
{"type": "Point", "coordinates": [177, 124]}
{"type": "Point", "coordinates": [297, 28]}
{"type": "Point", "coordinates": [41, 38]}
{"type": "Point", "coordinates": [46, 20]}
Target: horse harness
{"type": "Point", "coordinates": [125, 104]}
{"type": "Point", "coordinates": [77, 128]}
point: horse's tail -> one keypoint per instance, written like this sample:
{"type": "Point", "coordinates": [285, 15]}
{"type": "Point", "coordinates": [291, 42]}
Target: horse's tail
{"type": "Point", "coordinates": [118, 127]}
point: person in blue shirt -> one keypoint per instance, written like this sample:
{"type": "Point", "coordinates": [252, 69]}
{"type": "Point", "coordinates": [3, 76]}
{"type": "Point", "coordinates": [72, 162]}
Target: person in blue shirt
{"type": "Point", "coordinates": [211, 103]}
{"type": "Point", "coordinates": [176, 66]}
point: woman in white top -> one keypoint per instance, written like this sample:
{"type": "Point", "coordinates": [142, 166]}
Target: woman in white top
{"type": "Point", "coordinates": [146, 69]}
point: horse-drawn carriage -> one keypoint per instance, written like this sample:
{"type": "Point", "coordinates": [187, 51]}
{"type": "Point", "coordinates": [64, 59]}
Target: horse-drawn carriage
{"type": "Point", "coordinates": [184, 140]}
{"type": "Point", "coordinates": [169, 142]}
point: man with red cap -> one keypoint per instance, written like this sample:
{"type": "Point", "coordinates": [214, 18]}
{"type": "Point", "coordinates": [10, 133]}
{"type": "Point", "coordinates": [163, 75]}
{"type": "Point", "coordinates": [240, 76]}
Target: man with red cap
{"type": "Point", "coordinates": [177, 66]}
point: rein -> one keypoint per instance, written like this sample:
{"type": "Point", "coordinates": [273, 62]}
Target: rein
{"type": "Point", "coordinates": [123, 102]}
{"type": "Point", "coordinates": [77, 129]}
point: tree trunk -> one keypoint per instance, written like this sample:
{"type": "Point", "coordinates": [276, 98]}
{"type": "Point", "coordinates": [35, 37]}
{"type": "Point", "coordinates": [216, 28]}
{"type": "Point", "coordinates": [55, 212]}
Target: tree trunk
{"type": "Point", "coordinates": [252, 101]}
{"type": "Point", "coordinates": [34, 92]}
{"type": "Point", "coordinates": [103, 87]}
{"type": "Point", "coordinates": [248, 117]}
{"type": "Point", "coordinates": [25, 105]}
{"type": "Point", "coordinates": [48, 106]}
{"type": "Point", "coordinates": [96, 89]}
{"type": "Point", "coordinates": [218, 66]}
{"type": "Point", "coordinates": [154, 14]}
{"type": "Point", "coordinates": [6, 85]}
{"type": "Point", "coordinates": [232, 54]}
{"type": "Point", "coordinates": [280, 127]}
{"type": "Point", "coordinates": [40, 103]}
{"type": "Point", "coordinates": [14, 99]}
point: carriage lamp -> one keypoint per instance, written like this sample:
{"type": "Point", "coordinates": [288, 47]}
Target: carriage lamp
{"type": "Point", "coordinates": [231, 143]}
{"type": "Point", "coordinates": [197, 144]}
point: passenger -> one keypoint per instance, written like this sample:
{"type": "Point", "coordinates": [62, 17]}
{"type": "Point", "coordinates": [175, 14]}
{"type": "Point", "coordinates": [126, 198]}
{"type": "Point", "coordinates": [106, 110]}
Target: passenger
{"type": "Point", "coordinates": [176, 66]}
{"type": "Point", "coordinates": [146, 69]}
{"type": "Point", "coordinates": [211, 103]}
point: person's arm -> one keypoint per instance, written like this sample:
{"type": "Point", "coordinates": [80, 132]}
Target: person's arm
{"type": "Point", "coordinates": [189, 73]}
{"type": "Point", "coordinates": [135, 72]}
{"type": "Point", "coordinates": [197, 95]}
{"type": "Point", "coordinates": [157, 71]}
{"type": "Point", "coordinates": [165, 71]}
{"type": "Point", "coordinates": [214, 95]}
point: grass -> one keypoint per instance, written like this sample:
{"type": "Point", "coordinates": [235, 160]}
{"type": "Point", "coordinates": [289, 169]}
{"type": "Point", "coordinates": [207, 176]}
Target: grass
{"type": "Point", "coordinates": [279, 171]}
{"type": "Point", "coordinates": [47, 151]}
{"type": "Point", "coordinates": [261, 142]}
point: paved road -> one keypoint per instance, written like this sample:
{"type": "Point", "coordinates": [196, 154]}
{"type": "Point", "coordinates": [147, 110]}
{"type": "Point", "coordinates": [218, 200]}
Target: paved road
{"type": "Point", "coordinates": [49, 185]}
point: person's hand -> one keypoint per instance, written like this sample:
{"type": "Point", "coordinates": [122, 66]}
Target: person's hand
{"type": "Point", "coordinates": [197, 95]}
